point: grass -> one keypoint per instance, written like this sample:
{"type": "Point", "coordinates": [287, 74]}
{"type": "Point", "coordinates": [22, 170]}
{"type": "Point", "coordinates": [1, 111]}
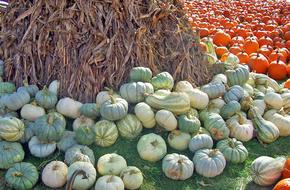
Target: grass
{"type": "Point", "coordinates": [234, 177]}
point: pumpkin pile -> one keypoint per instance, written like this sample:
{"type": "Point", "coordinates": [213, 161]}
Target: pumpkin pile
{"type": "Point", "coordinates": [212, 121]}
{"type": "Point", "coordinates": [257, 32]}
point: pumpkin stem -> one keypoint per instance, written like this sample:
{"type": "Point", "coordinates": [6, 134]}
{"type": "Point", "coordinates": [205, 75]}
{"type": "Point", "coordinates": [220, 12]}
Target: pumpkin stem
{"type": "Point", "coordinates": [176, 132]}
{"type": "Point", "coordinates": [113, 99]}
{"type": "Point", "coordinates": [155, 143]}
{"type": "Point", "coordinates": [282, 111]}
{"type": "Point", "coordinates": [231, 143]}
{"type": "Point", "coordinates": [110, 90]}
{"type": "Point", "coordinates": [241, 119]}
{"type": "Point", "coordinates": [17, 174]}
{"type": "Point", "coordinates": [71, 181]}
{"type": "Point", "coordinates": [213, 152]}
{"type": "Point", "coordinates": [50, 119]}
{"type": "Point", "coordinates": [25, 82]}
{"type": "Point", "coordinates": [110, 179]}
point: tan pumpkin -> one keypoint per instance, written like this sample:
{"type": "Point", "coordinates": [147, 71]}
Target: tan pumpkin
{"type": "Point", "coordinates": [178, 140]}
{"type": "Point", "coordinates": [273, 100]}
{"type": "Point", "coordinates": [31, 112]}
{"type": "Point", "coordinates": [166, 120]}
{"type": "Point", "coordinates": [54, 174]}
{"type": "Point", "coordinates": [280, 119]}
{"type": "Point", "coordinates": [82, 121]}
{"type": "Point", "coordinates": [198, 99]}
{"type": "Point", "coordinates": [183, 86]}
{"type": "Point", "coordinates": [69, 107]}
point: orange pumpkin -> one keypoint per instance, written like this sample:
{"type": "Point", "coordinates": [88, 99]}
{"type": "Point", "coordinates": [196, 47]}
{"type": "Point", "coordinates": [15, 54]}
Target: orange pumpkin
{"type": "Point", "coordinates": [264, 50]}
{"type": "Point", "coordinates": [284, 184]}
{"type": "Point", "coordinates": [277, 70]}
{"type": "Point", "coordinates": [235, 49]}
{"type": "Point", "coordinates": [221, 50]}
{"type": "Point", "coordinates": [221, 38]}
{"type": "Point", "coordinates": [265, 40]}
{"type": "Point", "coordinates": [243, 57]}
{"type": "Point", "coordinates": [275, 55]}
{"type": "Point", "coordinates": [251, 46]}
{"type": "Point", "coordinates": [286, 171]}
{"type": "Point", "coordinates": [287, 85]}
{"type": "Point", "coordinates": [259, 63]}
{"type": "Point", "coordinates": [287, 35]}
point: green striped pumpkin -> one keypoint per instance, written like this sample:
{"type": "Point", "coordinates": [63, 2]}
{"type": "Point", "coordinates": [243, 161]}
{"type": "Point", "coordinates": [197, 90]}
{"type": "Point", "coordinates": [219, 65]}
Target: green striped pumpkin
{"type": "Point", "coordinates": [129, 127]}
{"type": "Point", "coordinates": [176, 102]}
{"type": "Point", "coordinates": [163, 80]}
{"type": "Point", "coordinates": [140, 74]}
{"type": "Point", "coordinates": [11, 129]}
{"type": "Point", "coordinates": [106, 133]}
{"type": "Point", "coordinates": [11, 153]}
{"type": "Point", "coordinates": [85, 135]}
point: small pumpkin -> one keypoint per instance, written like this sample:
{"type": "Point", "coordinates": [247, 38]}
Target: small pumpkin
{"type": "Point", "coordinates": [134, 92]}
{"type": "Point", "coordinates": [145, 114]}
{"type": "Point", "coordinates": [273, 100]}
{"type": "Point", "coordinates": [7, 88]}
{"type": "Point", "coordinates": [280, 119]}
{"type": "Point", "coordinates": [178, 140]}
{"type": "Point", "coordinates": [67, 141]}
{"type": "Point", "coordinates": [111, 164]}
{"type": "Point", "coordinates": [163, 80]}
{"type": "Point", "coordinates": [209, 162]}
{"type": "Point", "coordinates": [46, 98]}
{"type": "Point", "coordinates": [82, 121]}
{"type": "Point", "coordinates": [85, 135]}
{"type": "Point", "coordinates": [40, 149]}
{"type": "Point", "coordinates": [235, 93]}
{"type": "Point", "coordinates": [230, 109]}
{"type": "Point", "coordinates": [114, 109]}
{"type": "Point", "coordinates": [200, 141]}
{"type": "Point", "coordinates": [69, 107]}
{"type": "Point", "coordinates": [106, 133]}
{"type": "Point", "coordinates": [277, 69]}
{"type": "Point", "coordinates": [239, 75]}
{"type": "Point", "coordinates": [109, 182]}
{"type": "Point", "coordinates": [198, 99]}
{"type": "Point", "coordinates": [284, 184]}
{"type": "Point", "coordinates": [11, 128]}
{"type": "Point", "coordinates": [132, 177]}
{"type": "Point", "coordinates": [105, 95]}
{"type": "Point", "coordinates": [140, 74]}
{"type": "Point", "coordinates": [54, 87]}
{"type": "Point", "coordinates": [90, 110]}
{"type": "Point", "coordinates": [177, 166]}
{"type": "Point", "coordinates": [22, 176]}
{"type": "Point", "coordinates": [166, 120]}
{"type": "Point", "coordinates": [73, 154]}
{"type": "Point", "coordinates": [188, 123]}
{"type": "Point", "coordinates": [54, 174]}
{"type": "Point", "coordinates": [16, 100]}
{"type": "Point", "coordinates": [31, 112]}
{"type": "Point", "coordinates": [30, 89]}
{"type": "Point", "coordinates": [214, 90]}
{"type": "Point", "coordinates": [28, 131]}
{"type": "Point", "coordinates": [12, 152]}
{"type": "Point", "coordinates": [266, 170]}
{"type": "Point", "coordinates": [183, 86]}
{"type": "Point", "coordinates": [129, 127]}
{"type": "Point", "coordinates": [151, 147]}
{"type": "Point", "coordinates": [50, 127]}
{"type": "Point", "coordinates": [233, 150]}
{"type": "Point", "coordinates": [81, 176]}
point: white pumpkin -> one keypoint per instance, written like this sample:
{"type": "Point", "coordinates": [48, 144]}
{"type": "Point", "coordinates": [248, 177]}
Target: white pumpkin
{"type": "Point", "coordinates": [31, 112]}
{"type": "Point", "coordinates": [104, 96]}
{"type": "Point", "coordinates": [286, 100]}
{"type": "Point", "coordinates": [221, 78]}
{"type": "Point", "coordinates": [69, 107]}
{"type": "Point", "coordinates": [248, 89]}
{"type": "Point", "coordinates": [183, 86]}
{"type": "Point", "coordinates": [200, 141]}
{"type": "Point", "coordinates": [177, 166]}
{"type": "Point", "coordinates": [54, 86]}
{"type": "Point", "coordinates": [111, 164]}
{"type": "Point", "coordinates": [145, 114]}
{"type": "Point", "coordinates": [109, 182]}
{"type": "Point", "coordinates": [82, 121]}
{"type": "Point", "coordinates": [166, 120]}
{"type": "Point", "coordinates": [260, 105]}
{"type": "Point", "coordinates": [273, 100]}
{"type": "Point", "coordinates": [54, 174]}
{"type": "Point", "coordinates": [40, 149]}
{"type": "Point", "coordinates": [240, 127]}
{"type": "Point", "coordinates": [198, 99]}
{"type": "Point", "coordinates": [280, 119]}
{"type": "Point", "coordinates": [266, 170]}
{"type": "Point", "coordinates": [217, 103]}
{"type": "Point", "coordinates": [151, 147]}
{"type": "Point", "coordinates": [132, 177]}
{"type": "Point", "coordinates": [178, 140]}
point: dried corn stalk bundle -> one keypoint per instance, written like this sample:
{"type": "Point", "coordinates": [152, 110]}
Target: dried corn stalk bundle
{"type": "Point", "coordinates": [89, 44]}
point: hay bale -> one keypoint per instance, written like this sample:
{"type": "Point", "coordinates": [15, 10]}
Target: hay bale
{"type": "Point", "coordinates": [89, 44]}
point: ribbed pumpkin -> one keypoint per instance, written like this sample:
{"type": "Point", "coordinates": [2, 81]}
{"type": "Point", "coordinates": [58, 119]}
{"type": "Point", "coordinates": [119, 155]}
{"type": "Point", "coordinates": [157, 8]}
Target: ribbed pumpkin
{"type": "Point", "coordinates": [28, 131]}
{"type": "Point", "coordinates": [221, 78]}
{"type": "Point", "coordinates": [46, 99]}
{"type": "Point", "coordinates": [267, 132]}
{"type": "Point", "coordinates": [151, 147]}
{"type": "Point", "coordinates": [163, 80]}
{"type": "Point", "coordinates": [135, 92]}
{"type": "Point", "coordinates": [277, 69]}
{"type": "Point", "coordinates": [82, 121]}
{"type": "Point", "coordinates": [214, 90]}
{"type": "Point", "coordinates": [7, 88]}
{"type": "Point", "coordinates": [200, 141]}
{"type": "Point", "coordinates": [90, 110]}
{"type": "Point", "coordinates": [30, 89]}
{"type": "Point", "coordinates": [106, 133]}
{"type": "Point", "coordinates": [50, 127]}
{"type": "Point", "coordinates": [67, 141]}
{"type": "Point", "coordinates": [22, 176]}
{"type": "Point", "coordinates": [129, 127]}
{"type": "Point", "coordinates": [31, 112]}
{"type": "Point", "coordinates": [280, 119]}
{"type": "Point", "coordinates": [132, 177]}
{"type": "Point", "coordinates": [40, 149]}
{"type": "Point", "coordinates": [266, 170]}
{"type": "Point", "coordinates": [105, 95]}
{"type": "Point", "coordinates": [258, 63]}
{"type": "Point", "coordinates": [183, 86]}
{"type": "Point", "coordinates": [109, 182]}
{"type": "Point", "coordinates": [16, 100]}
{"type": "Point", "coordinates": [145, 114]}
{"type": "Point", "coordinates": [248, 90]}
{"type": "Point", "coordinates": [284, 184]}
{"type": "Point", "coordinates": [237, 76]}
{"type": "Point", "coordinates": [215, 124]}
{"type": "Point", "coordinates": [177, 166]}
{"type": "Point", "coordinates": [188, 123]}
{"type": "Point", "coordinates": [81, 175]}
{"type": "Point", "coordinates": [233, 150]}
{"type": "Point", "coordinates": [11, 128]}
{"type": "Point", "coordinates": [273, 100]}
{"type": "Point", "coordinates": [240, 127]}
{"type": "Point", "coordinates": [178, 140]}
{"type": "Point", "coordinates": [111, 164]}
{"type": "Point", "coordinates": [166, 120]}
{"type": "Point", "coordinates": [72, 154]}
{"type": "Point", "coordinates": [54, 174]}
{"type": "Point", "coordinates": [235, 93]}
{"type": "Point", "coordinates": [85, 135]}
{"type": "Point", "coordinates": [140, 74]}
{"type": "Point", "coordinates": [209, 162]}
{"type": "Point", "coordinates": [12, 152]}
{"type": "Point", "coordinates": [114, 109]}
{"type": "Point", "coordinates": [69, 107]}
{"type": "Point", "coordinates": [230, 109]}
{"type": "Point", "coordinates": [176, 102]}
{"type": "Point", "coordinates": [262, 79]}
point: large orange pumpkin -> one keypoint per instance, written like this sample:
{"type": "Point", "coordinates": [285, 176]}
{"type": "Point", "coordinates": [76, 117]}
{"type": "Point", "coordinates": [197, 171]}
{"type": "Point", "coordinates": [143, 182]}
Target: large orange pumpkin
{"type": "Point", "coordinates": [251, 46]}
{"type": "Point", "coordinates": [259, 63]}
{"type": "Point", "coordinates": [275, 55]}
{"type": "Point", "coordinates": [284, 184]}
{"type": "Point", "coordinates": [243, 57]}
{"type": "Point", "coordinates": [277, 70]}
{"type": "Point", "coordinates": [265, 40]}
{"type": "Point", "coordinates": [221, 50]}
{"type": "Point", "coordinates": [221, 38]}
{"type": "Point", "coordinates": [286, 171]}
